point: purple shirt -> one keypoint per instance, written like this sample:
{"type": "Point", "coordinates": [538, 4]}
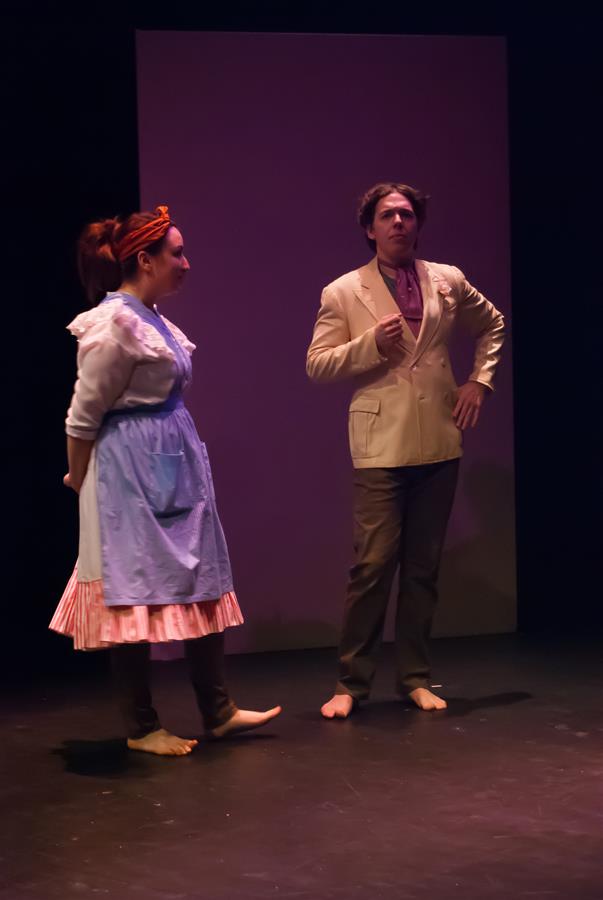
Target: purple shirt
{"type": "Point", "coordinates": [406, 291]}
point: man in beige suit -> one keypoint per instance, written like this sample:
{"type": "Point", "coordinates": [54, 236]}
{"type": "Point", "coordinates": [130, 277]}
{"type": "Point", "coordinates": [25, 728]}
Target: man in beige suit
{"type": "Point", "coordinates": [387, 326]}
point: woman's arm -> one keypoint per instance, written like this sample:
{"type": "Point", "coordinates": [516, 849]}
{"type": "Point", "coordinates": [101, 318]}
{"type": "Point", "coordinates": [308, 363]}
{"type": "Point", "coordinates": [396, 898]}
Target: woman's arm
{"type": "Point", "coordinates": [78, 455]}
{"type": "Point", "coordinates": [107, 355]}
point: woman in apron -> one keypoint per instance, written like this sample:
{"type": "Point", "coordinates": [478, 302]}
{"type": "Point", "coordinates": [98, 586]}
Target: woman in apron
{"type": "Point", "coordinates": [153, 564]}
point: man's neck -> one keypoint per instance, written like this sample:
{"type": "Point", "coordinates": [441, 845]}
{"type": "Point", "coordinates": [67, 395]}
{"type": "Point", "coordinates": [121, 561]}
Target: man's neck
{"type": "Point", "coordinates": [394, 265]}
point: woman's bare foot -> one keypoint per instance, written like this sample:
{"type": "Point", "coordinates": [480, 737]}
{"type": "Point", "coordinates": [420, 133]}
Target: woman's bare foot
{"type": "Point", "coordinates": [162, 743]}
{"type": "Point", "coordinates": [244, 720]}
{"type": "Point", "coordinates": [338, 707]}
{"type": "Point", "coordinates": [424, 699]}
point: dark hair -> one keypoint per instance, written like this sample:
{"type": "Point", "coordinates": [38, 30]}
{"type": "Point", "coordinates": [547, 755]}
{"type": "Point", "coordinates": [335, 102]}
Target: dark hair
{"type": "Point", "coordinates": [97, 265]}
{"type": "Point", "coordinates": [368, 203]}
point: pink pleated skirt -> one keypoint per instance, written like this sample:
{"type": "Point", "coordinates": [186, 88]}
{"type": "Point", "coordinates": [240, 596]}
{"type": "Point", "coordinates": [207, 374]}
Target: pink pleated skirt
{"type": "Point", "coordinates": [83, 616]}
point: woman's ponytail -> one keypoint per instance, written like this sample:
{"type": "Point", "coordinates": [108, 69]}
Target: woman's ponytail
{"type": "Point", "coordinates": [98, 268]}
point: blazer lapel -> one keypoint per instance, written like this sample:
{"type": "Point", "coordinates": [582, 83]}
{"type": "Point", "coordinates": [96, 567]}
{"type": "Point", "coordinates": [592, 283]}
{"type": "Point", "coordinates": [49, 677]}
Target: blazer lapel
{"type": "Point", "coordinates": [432, 307]}
{"type": "Point", "coordinates": [375, 295]}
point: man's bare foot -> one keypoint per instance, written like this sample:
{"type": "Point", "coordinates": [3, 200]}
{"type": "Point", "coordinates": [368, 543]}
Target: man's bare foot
{"type": "Point", "coordinates": [244, 720]}
{"type": "Point", "coordinates": [162, 743]}
{"type": "Point", "coordinates": [338, 707]}
{"type": "Point", "coordinates": [424, 699]}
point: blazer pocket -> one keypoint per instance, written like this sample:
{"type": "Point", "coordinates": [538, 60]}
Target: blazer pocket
{"type": "Point", "coordinates": [362, 422]}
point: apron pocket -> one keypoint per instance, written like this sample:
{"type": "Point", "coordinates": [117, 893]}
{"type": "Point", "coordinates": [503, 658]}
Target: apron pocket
{"type": "Point", "coordinates": [171, 489]}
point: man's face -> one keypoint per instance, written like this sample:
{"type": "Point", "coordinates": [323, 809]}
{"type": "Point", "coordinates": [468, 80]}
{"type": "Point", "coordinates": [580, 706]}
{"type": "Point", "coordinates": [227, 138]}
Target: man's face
{"type": "Point", "coordinates": [394, 227]}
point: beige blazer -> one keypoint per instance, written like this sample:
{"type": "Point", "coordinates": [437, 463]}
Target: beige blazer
{"type": "Point", "coordinates": [401, 409]}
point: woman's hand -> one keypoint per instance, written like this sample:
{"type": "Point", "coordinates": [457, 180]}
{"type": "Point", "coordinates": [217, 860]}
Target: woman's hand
{"type": "Point", "coordinates": [468, 405]}
{"type": "Point", "coordinates": [78, 456]}
{"type": "Point", "coordinates": [69, 482]}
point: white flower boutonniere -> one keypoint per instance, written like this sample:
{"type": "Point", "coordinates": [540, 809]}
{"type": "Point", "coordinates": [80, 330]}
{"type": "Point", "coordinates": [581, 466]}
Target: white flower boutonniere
{"type": "Point", "coordinates": [443, 287]}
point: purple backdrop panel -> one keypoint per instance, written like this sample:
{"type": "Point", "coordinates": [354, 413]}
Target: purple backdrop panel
{"type": "Point", "coordinates": [261, 144]}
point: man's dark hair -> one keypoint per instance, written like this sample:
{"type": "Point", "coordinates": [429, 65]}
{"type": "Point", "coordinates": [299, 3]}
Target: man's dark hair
{"type": "Point", "coordinates": [368, 203]}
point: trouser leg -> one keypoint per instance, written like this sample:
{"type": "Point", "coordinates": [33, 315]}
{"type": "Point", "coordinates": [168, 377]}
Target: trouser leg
{"type": "Point", "coordinates": [206, 663]}
{"type": "Point", "coordinates": [377, 529]}
{"type": "Point", "coordinates": [428, 502]}
{"type": "Point", "coordinates": [130, 666]}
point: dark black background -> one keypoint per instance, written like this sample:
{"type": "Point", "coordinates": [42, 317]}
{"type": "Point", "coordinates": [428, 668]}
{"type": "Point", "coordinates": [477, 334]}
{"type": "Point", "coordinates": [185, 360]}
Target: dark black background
{"type": "Point", "coordinates": [69, 154]}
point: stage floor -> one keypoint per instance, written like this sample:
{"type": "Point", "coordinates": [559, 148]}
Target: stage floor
{"type": "Point", "coordinates": [500, 796]}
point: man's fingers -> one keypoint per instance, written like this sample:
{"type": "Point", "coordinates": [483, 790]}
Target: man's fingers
{"type": "Point", "coordinates": [467, 408]}
{"type": "Point", "coordinates": [393, 317]}
{"type": "Point", "coordinates": [466, 415]}
{"type": "Point", "coordinates": [460, 414]}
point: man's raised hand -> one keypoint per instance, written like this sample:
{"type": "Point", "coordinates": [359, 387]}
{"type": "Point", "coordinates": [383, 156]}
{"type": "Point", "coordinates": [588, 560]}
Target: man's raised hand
{"type": "Point", "coordinates": [388, 333]}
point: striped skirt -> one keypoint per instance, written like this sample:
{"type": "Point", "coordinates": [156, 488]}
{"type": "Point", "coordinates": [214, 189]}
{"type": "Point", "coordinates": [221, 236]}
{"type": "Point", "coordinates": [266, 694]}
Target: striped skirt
{"type": "Point", "coordinates": [83, 616]}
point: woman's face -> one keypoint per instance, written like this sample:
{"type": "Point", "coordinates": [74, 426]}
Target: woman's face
{"type": "Point", "coordinates": [169, 267]}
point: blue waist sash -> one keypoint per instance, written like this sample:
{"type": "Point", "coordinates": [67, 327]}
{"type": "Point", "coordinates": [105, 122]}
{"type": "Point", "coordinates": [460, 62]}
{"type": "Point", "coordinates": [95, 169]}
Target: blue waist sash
{"type": "Point", "coordinates": [173, 402]}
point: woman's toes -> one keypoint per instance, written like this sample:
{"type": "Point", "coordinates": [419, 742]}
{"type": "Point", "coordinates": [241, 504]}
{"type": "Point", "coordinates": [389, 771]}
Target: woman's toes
{"type": "Point", "coordinates": [162, 743]}
{"type": "Point", "coordinates": [245, 720]}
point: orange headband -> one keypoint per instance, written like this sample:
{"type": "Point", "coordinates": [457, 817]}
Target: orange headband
{"type": "Point", "coordinates": [147, 234]}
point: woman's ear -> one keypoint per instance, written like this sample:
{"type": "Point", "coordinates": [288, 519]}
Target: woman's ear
{"type": "Point", "coordinates": [144, 261]}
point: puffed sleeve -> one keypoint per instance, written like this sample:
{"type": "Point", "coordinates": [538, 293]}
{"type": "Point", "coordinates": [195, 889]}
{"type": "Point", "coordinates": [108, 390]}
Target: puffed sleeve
{"type": "Point", "coordinates": [109, 348]}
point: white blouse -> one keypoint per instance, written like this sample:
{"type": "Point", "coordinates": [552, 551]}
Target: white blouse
{"type": "Point", "coordinates": [122, 361]}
